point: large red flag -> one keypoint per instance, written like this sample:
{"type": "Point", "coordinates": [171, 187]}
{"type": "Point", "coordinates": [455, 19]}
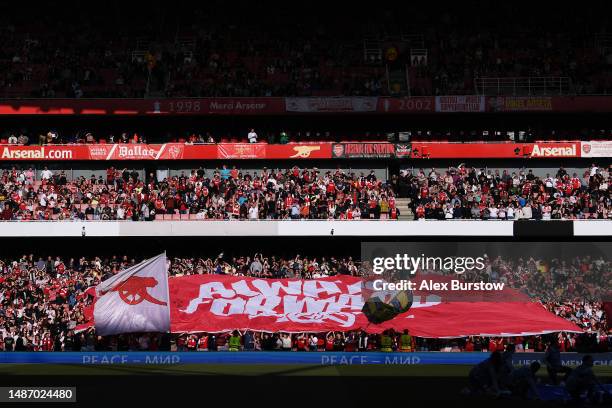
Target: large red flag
{"type": "Point", "coordinates": [217, 303]}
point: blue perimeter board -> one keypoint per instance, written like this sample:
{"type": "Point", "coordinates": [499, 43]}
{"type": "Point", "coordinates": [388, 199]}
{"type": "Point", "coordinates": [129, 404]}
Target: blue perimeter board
{"type": "Point", "coordinates": [278, 357]}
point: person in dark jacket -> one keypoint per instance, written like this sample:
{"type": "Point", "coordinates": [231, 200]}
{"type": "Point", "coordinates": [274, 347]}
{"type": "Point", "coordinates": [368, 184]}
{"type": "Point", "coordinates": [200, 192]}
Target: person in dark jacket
{"type": "Point", "coordinates": [552, 359]}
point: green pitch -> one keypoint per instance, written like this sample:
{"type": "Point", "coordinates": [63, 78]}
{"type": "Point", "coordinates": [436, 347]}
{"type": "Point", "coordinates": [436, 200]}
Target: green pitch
{"type": "Point", "coordinates": [254, 369]}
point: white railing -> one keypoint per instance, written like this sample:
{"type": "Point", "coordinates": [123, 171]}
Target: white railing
{"type": "Point", "coordinates": [518, 86]}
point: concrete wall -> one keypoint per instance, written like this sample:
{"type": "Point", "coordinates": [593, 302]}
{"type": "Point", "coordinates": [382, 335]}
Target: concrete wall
{"type": "Point", "coordinates": [255, 228]}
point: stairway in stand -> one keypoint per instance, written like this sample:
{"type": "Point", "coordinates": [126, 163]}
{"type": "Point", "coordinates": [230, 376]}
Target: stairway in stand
{"type": "Point", "coordinates": [406, 213]}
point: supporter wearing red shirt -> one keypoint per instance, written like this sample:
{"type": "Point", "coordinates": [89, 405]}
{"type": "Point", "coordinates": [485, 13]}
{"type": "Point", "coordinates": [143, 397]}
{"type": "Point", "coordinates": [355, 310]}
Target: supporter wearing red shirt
{"type": "Point", "coordinates": [110, 176]}
{"type": "Point", "coordinates": [330, 189]}
{"type": "Point", "coordinates": [47, 343]}
{"type": "Point", "coordinates": [424, 192]}
{"type": "Point", "coordinates": [192, 343]}
{"type": "Point", "coordinates": [301, 343]}
{"type": "Point", "coordinates": [329, 343]}
{"type": "Point", "coordinates": [394, 213]}
{"type": "Point", "coordinates": [203, 343]}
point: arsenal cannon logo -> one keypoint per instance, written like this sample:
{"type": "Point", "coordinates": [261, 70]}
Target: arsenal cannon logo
{"type": "Point", "coordinates": [134, 290]}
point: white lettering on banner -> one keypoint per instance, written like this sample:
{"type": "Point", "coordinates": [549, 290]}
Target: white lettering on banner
{"type": "Point", "coordinates": [402, 360]}
{"type": "Point", "coordinates": [344, 319]}
{"type": "Point", "coordinates": [342, 360]}
{"type": "Point", "coordinates": [460, 103]}
{"type": "Point", "coordinates": [355, 288]}
{"type": "Point", "coordinates": [262, 305]}
{"type": "Point", "coordinates": [331, 104]}
{"type": "Point", "coordinates": [243, 289]}
{"type": "Point", "coordinates": [271, 289]}
{"type": "Point", "coordinates": [160, 359]}
{"type": "Point", "coordinates": [105, 359]}
{"type": "Point", "coordinates": [293, 305]}
{"type": "Point", "coordinates": [568, 151]}
{"type": "Point", "coordinates": [236, 306]}
{"type": "Point", "coordinates": [136, 151]}
{"type": "Point", "coordinates": [314, 287]}
{"type": "Point", "coordinates": [26, 153]}
{"type": "Point", "coordinates": [206, 292]}
{"type": "Point", "coordinates": [300, 301]}
{"type": "Point", "coordinates": [229, 106]}
{"type": "Point", "coordinates": [368, 359]}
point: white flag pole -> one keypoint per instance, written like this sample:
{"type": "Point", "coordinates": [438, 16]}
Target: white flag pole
{"type": "Point", "coordinates": [168, 290]}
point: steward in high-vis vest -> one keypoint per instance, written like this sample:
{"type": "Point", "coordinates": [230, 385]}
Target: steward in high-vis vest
{"type": "Point", "coordinates": [234, 341]}
{"type": "Point", "coordinates": [405, 342]}
{"type": "Point", "coordinates": [386, 343]}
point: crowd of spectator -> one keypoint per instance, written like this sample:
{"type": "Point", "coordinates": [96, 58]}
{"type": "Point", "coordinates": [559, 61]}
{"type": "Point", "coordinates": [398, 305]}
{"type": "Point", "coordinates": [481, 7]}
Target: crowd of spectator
{"type": "Point", "coordinates": [456, 193]}
{"type": "Point", "coordinates": [465, 192]}
{"type": "Point", "coordinates": [243, 51]}
{"type": "Point", "coordinates": [220, 194]}
{"type": "Point", "coordinates": [43, 302]}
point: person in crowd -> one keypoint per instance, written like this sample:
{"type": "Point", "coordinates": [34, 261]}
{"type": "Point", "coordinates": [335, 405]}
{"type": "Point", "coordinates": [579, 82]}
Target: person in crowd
{"type": "Point", "coordinates": [484, 377]}
{"type": "Point", "coordinates": [252, 136]}
{"type": "Point", "coordinates": [523, 382]}
{"type": "Point", "coordinates": [235, 341]}
{"type": "Point", "coordinates": [582, 380]}
{"type": "Point", "coordinates": [552, 359]}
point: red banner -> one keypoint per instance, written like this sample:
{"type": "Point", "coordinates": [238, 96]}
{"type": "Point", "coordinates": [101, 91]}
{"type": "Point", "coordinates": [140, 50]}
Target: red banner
{"type": "Point", "coordinates": [299, 151]}
{"type": "Point", "coordinates": [166, 151]}
{"type": "Point", "coordinates": [495, 150]}
{"type": "Point", "coordinates": [323, 150]}
{"type": "Point", "coordinates": [363, 150]}
{"type": "Point", "coordinates": [177, 106]}
{"type": "Point", "coordinates": [242, 151]}
{"type": "Point", "coordinates": [219, 303]}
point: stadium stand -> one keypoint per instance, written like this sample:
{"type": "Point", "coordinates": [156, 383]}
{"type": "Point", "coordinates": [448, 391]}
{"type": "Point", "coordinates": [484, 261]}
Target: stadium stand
{"type": "Point", "coordinates": [456, 193]}
{"type": "Point", "coordinates": [46, 301]}
{"type": "Point", "coordinates": [171, 51]}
